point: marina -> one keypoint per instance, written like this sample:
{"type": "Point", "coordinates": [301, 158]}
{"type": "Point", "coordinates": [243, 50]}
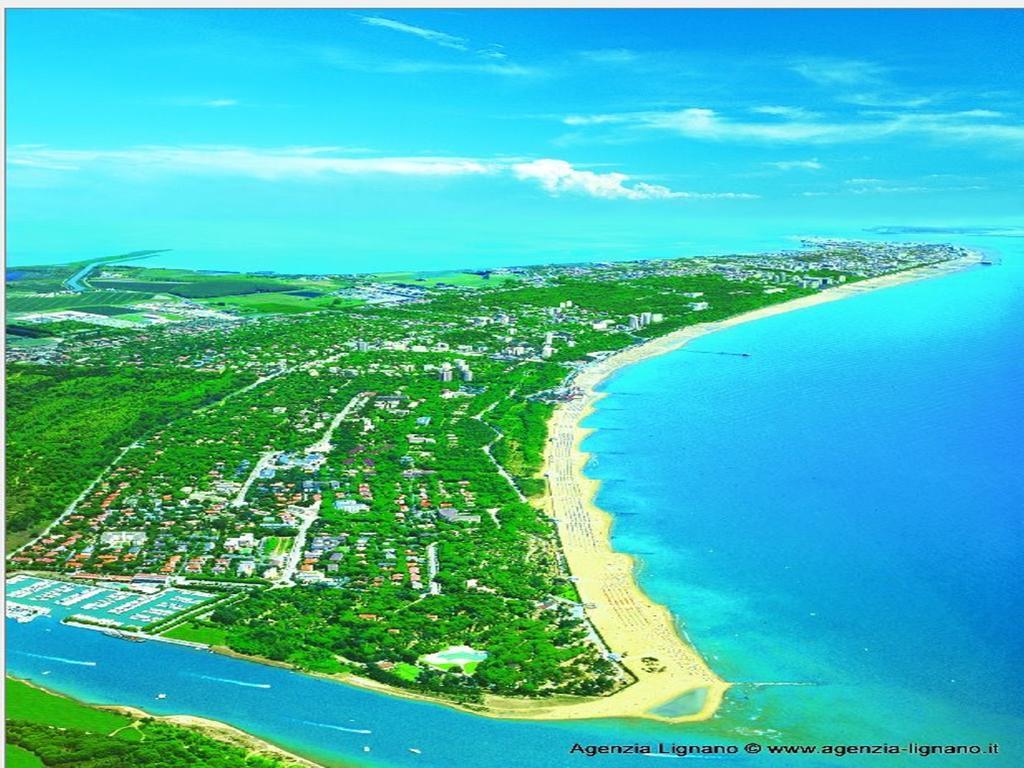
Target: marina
{"type": "Point", "coordinates": [113, 606]}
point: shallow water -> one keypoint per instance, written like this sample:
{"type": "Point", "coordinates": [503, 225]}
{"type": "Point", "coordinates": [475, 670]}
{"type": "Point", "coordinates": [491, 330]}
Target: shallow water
{"type": "Point", "coordinates": [841, 509]}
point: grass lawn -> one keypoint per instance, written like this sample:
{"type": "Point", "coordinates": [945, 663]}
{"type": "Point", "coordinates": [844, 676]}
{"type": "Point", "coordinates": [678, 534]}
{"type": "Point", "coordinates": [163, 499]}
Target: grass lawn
{"type": "Point", "coordinates": [406, 671]}
{"type": "Point", "coordinates": [467, 669]}
{"type": "Point", "coordinates": [427, 279]}
{"type": "Point", "coordinates": [80, 301]}
{"type": "Point", "coordinates": [197, 286]}
{"type": "Point", "coordinates": [27, 703]}
{"type": "Point", "coordinates": [461, 656]}
{"type": "Point", "coordinates": [22, 341]}
{"type": "Point", "coordinates": [279, 302]}
{"type": "Point", "coordinates": [276, 545]}
{"type": "Point", "coordinates": [198, 633]}
{"type": "Point", "coordinates": [16, 757]}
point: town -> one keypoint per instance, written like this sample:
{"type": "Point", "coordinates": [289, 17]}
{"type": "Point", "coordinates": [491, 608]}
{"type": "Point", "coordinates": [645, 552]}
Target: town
{"type": "Point", "coordinates": [351, 465]}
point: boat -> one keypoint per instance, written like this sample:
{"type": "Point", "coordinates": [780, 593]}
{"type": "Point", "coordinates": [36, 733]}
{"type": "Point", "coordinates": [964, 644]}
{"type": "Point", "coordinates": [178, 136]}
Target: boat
{"type": "Point", "coordinates": [416, 751]}
{"type": "Point", "coordinates": [161, 695]}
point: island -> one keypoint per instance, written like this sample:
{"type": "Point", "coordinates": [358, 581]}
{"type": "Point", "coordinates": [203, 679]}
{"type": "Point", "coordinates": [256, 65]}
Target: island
{"type": "Point", "coordinates": [375, 478]}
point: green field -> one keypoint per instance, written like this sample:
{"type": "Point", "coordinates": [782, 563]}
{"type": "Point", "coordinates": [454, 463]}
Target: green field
{"type": "Point", "coordinates": [37, 706]}
{"type": "Point", "coordinates": [16, 757]}
{"type": "Point", "coordinates": [84, 302]}
{"type": "Point", "coordinates": [198, 633]}
{"type": "Point", "coordinates": [406, 671]}
{"type": "Point", "coordinates": [204, 288]}
{"type": "Point", "coordinates": [430, 279]}
{"type": "Point", "coordinates": [47, 729]}
{"type": "Point", "coordinates": [110, 311]}
{"type": "Point", "coordinates": [279, 302]}
{"type": "Point", "coordinates": [276, 545]}
{"type": "Point", "coordinates": [22, 342]}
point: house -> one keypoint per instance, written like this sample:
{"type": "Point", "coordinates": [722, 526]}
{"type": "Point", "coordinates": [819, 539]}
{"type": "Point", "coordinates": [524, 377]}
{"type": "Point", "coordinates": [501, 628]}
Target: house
{"type": "Point", "coordinates": [454, 516]}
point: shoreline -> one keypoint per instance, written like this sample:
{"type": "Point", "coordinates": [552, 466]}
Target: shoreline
{"type": "Point", "coordinates": [213, 729]}
{"type": "Point", "coordinates": [629, 623]}
{"type": "Point", "coordinates": [222, 732]}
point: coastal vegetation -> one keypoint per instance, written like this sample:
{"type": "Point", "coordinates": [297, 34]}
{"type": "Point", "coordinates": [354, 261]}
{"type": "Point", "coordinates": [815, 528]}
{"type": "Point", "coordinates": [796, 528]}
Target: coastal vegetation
{"type": "Point", "coordinates": [66, 423]}
{"type": "Point", "coordinates": [47, 729]}
{"type": "Point", "coordinates": [364, 474]}
{"type": "Point", "coordinates": [152, 745]}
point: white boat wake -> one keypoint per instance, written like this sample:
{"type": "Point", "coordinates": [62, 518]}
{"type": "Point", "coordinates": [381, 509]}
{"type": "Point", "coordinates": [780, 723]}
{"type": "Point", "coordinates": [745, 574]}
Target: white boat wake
{"type": "Point", "coordinates": [233, 682]}
{"type": "Point", "coordinates": [58, 658]}
{"type": "Point", "coordinates": [337, 727]}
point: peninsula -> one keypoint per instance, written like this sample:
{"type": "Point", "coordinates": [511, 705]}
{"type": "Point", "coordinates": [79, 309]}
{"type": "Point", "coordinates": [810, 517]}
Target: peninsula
{"type": "Point", "coordinates": [375, 478]}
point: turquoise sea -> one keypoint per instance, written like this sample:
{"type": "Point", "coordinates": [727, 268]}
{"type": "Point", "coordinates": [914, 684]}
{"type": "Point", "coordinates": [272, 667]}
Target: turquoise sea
{"type": "Point", "coordinates": [750, 237]}
{"type": "Point", "coordinates": [842, 510]}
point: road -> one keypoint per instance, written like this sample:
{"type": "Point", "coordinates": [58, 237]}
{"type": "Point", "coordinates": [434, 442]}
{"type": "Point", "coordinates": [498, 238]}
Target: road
{"type": "Point", "coordinates": [311, 513]}
{"type": "Point", "coordinates": [487, 448]}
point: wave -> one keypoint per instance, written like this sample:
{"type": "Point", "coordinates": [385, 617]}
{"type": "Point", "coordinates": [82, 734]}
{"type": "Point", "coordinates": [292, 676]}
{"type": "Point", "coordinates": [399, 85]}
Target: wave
{"type": "Point", "coordinates": [337, 727]}
{"type": "Point", "coordinates": [232, 682]}
{"type": "Point", "coordinates": [61, 659]}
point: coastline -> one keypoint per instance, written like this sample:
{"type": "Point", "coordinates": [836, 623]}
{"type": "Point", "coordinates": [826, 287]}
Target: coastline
{"type": "Point", "coordinates": [214, 729]}
{"type": "Point", "coordinates": [222, 732]}
{"type": "Point", "coordinates": [629, 623]}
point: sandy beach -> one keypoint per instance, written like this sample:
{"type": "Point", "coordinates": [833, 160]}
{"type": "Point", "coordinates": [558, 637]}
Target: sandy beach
{"type": "Point", "coordinates": [224, 733]}
{"type": "Point", "coordinates": [630, 624]}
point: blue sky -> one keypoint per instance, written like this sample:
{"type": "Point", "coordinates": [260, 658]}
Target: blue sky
{"type": "Point", "coordinates": [402, 138]}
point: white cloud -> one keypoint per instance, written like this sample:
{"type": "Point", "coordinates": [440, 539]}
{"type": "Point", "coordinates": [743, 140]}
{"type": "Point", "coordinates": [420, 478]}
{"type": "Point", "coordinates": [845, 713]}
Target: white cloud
{"type": "Point", "coordinates": [790, 165]}
{"type": "Point", "coordinates": [610, 56]}
{"type": "Point", "coordinates": [873, 186]}
{"type": "Point", "coordinates": [439, 38]}
{"type": "Point", "coordinates": [269, 164]}
{"type": "Point", "coordinates": [702, 123]}
{"type": "Point", "coordinates": [882, 187]}
{"type": "Point", "coordinates": [559, 176]}
{"type": "Point", "coordinates": [888, 101]}
{"type": "Point", "coordinates": [839, 72]}
{"type": "Point", "coordinates": [493, 51]}
{"type": "Point", "coordinates": [492, 61]}
{"type": "Point", "coordinates": [553, 175]}
{"type": "Point", "coordinates": [495, 60]}
{"type": "Point", "coordinates": [792, 113]}
{"type": "Point", "coordinates": [490, 68]}
{"type": "Point", "coordinates": [216, 103]}
{"type": "Point", "coordinates": [707, 124]}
